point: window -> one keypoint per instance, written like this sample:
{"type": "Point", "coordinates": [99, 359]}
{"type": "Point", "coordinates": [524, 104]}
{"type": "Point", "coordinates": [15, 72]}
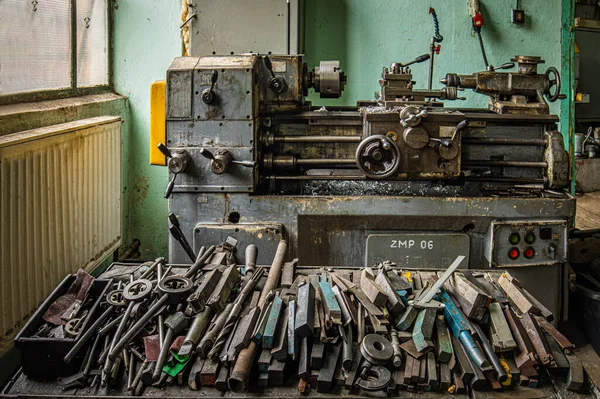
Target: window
{"type": "Point", "coordinates": [53, 46]}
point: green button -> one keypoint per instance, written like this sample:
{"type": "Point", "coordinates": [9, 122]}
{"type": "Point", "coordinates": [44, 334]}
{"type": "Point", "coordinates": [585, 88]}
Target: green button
{"type": "Point", "coordinates": [530, 238]}
{"type": "Point", "coordinates": [514, 238]}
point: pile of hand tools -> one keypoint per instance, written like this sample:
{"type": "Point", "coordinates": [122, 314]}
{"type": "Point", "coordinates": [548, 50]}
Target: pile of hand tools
{"type": "Point", "coordinates": [242, 327]}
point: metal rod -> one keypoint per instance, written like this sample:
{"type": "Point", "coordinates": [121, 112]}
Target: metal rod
{"type": "Point", "coordinates": [137, 327]}
{"type": "Point", "coordinates": [431, 57]}
{"type": "Point", "coordinates": [517, 164]}
{"type": "Point", "coordinates": [325, 161]}
{"type": "Point", "coordinates": [317, 139]}
{"type": "Point", "coordinates": [502, 141]}
{"type": "Point", "coordinates": [200, 262]}
{"type": "Point", "coordinates": [305, 177]}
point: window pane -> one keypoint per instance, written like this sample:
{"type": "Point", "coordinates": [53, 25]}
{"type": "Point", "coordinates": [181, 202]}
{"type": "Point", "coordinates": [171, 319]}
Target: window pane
{"type": "Point", "coordinates": [92, 49]}
{"type": "Point", "coordinates": [35, 45]}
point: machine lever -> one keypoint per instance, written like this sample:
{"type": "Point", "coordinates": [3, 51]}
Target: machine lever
{"type": "Point", "coordinates": [177, 163]}
{"type": "Point", "coordinates": [170, 186]}
{"type": "Point", "coordinates": [506, 65]}
{"type": "Point", "coordinates": [247, 164]}
{"type": "Point", "coordinates": [208, 95]}
{"type": "Point", "coordinates": [276, 83]}
{"type": "Point", "coordinates": [207, 154]}
{"type": "Point", "coordinates": [163, 148]}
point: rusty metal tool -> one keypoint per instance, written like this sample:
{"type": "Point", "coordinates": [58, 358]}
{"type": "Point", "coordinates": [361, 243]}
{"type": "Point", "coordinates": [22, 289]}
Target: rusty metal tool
{"type": "Point", "coordinates": [259, 329]}
{"type": "Point", "coordinates": [192, 338]}
{"type": "Point", "coordinates": [407, 319]}
{"type": "Point", "coordinates": [292, 339]}
{"type": "Point", "coordinates": [279, 350]}
{"type": "Point", "coordinates": [197, 300]}
{"type": "Point", "coordinates": [239, 374]}
{"type": "Point", "coordinates": [221, 381]}
{"type": "Point", "coordinates": [471, 373]}
{"type": "Point", "coordinates": [372, 291]}
{"type": "Point", "coordinates": [576, 376]}
{"type": "Point", "coordinates": [512, 287]}
{"type": "Point", "coordinates": [395, 304]}
{"type": "Point", "coordinates": [305, 314]}
{"type": "Point", "coordinates": [250, 257]}
{"type": "Point", "coordinates": [461, 330]}
{"type": "Point", "coordinates": [397, 361]}
{"type": "Point", "coordinates": [472, 299]}
{"type": "Point", "coordinates": [264, 359]}
{"type": "Point", "coordinates": [175, 323]}
{"type": "Point", "coordinates": [500, 335]}
{"type": "Point", "coordinates": [316, 355]}
{"type": "Point", "coordinates": [234, 314]}
{"type": "Point", "coordinates": [538, 339]}
{"type": "Point", "coordinates": [243, 332]}
{"type": "Point", "coordinates": [491, 355]}
{"type": "Point", "coordinates": [423, 330]}
{"type": "Point", "coordinates": [330, 303]}
{"type": "Point", "coordinates": [327, 370]}
{"type": "Point", "coordinates": [207, 341]}
{"type": "Point", "coordinates": [346, 315]}
{"type": "Point", "coordinates": [525, 357]}
{"type": "Point", "coordinates": [287, 274]}
{"type": "Point", "coordinates": [366, 303]}
{"type": "Point", "coordinates": [268, 338]}
{"type": "Point", "coordinates": [560, 339]}
{"type": "Point", "coordinates": [304, 360]}
{"type": "Point", "coordinates": [353, 370]}
{"type": "Point", "coordinates": [443, 344]}
{"type": "Point", "coordinates": [445, 377]}
{"type": "Point", "coordinates": [208, 374]}
{"type": "Point", "coordinates": [347, 346]}
{"type": "Point", "coordinates": [432, 372]}
{"type": "Point", "coordinates": [178, 235]}
{"type": "Point", "coordinates": [275, 372]}
{"type": "Point", "coordinates": [218, 299]}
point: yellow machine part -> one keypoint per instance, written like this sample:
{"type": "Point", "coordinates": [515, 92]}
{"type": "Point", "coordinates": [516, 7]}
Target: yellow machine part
{"type": "Point", "coordinates": [158, 134]}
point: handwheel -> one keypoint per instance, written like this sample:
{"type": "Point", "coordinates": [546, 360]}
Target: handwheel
{"type": "Point", "coordinates": [378, 157]}
{"type": "Point", "coordinates": [553, 82]}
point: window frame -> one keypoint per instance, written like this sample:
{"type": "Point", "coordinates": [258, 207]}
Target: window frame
{"type": "Point", "coordinates": [73, 90]}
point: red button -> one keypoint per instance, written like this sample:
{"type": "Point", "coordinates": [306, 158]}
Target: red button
{"type": "Point", "coordinates": [513, 253]}
{"type": "Point", "coordinates": [529, 253]}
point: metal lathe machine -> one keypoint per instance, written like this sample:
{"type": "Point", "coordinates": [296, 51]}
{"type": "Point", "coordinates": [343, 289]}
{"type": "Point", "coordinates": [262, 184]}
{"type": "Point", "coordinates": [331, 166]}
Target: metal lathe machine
{"type": "Point", "coordinates": [403, 177]}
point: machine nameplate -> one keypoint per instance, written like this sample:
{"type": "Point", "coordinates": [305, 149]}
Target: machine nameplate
{"type": "Point", "coordinates": [425, 250]}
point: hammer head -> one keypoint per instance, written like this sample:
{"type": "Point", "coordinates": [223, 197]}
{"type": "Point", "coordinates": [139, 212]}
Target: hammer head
{"type": "Point", "coordinates": [177, 322]}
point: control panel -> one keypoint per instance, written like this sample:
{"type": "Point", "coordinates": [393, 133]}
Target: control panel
{"type": "Point", "coordinates": [526, 243]}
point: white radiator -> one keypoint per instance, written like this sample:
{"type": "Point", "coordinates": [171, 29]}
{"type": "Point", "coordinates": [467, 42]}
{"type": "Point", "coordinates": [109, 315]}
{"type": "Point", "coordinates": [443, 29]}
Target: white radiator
{"type": "Point", "coordinates": [60, 210]}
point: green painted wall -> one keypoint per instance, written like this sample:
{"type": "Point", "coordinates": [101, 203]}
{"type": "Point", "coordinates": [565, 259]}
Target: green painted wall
{"type": "Point", "coordinates": [367, 35]}
{"type": "Point", "coordinates": [364, 35]}
{"type": "Point", "coordinates": [145, 40]}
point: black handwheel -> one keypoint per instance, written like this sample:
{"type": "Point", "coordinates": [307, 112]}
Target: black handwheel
{"type": "Point", "coordinates": [378, 157]}
{"type": "Point", "coordinates": [552, 82]}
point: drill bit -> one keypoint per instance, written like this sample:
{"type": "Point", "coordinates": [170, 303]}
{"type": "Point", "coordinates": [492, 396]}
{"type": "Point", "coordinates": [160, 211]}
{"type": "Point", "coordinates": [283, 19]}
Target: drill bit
{"type": "Point", "coordinates": [235, 313]}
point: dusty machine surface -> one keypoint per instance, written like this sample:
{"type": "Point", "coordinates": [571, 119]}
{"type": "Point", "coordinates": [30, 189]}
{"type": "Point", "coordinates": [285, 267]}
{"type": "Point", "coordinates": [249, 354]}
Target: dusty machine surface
{"type": "Point", "coordinates": [396, 178]}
